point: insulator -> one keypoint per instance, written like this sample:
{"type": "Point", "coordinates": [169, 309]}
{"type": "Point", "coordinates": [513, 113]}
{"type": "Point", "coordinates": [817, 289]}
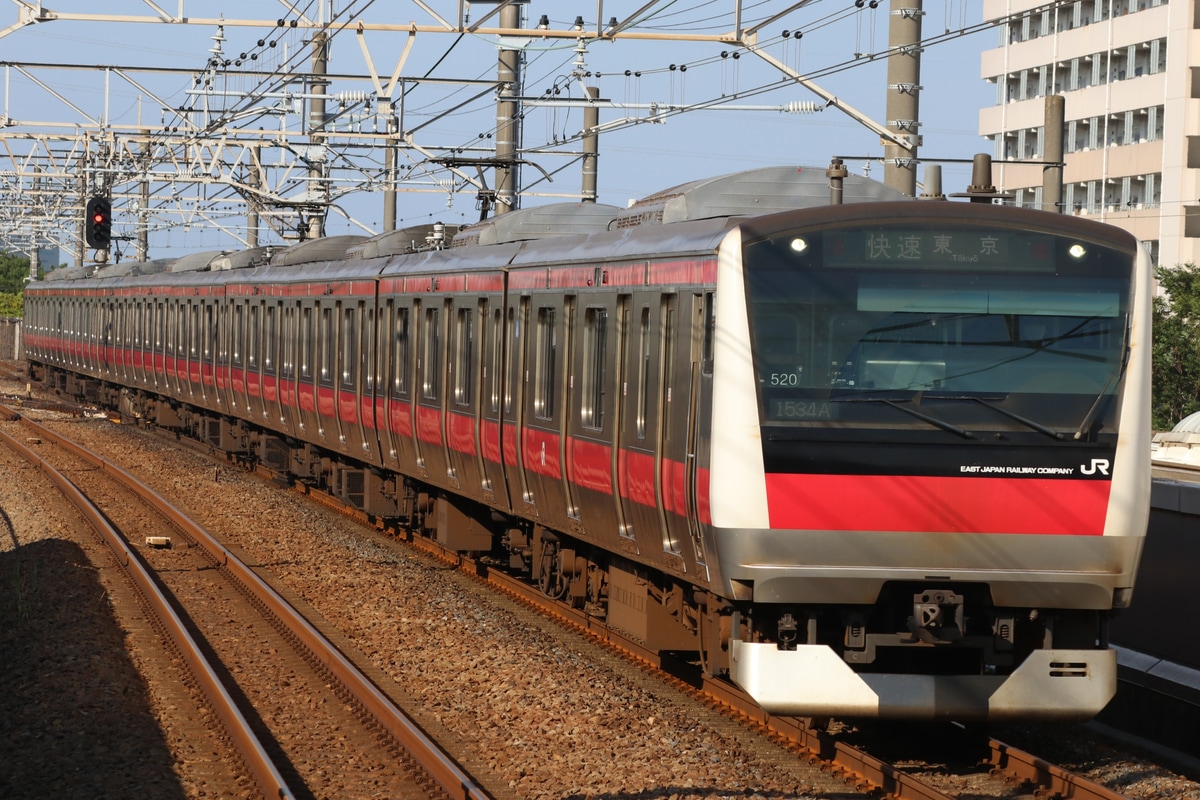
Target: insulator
{"type": "Point", "coordinates": [351, 97]}
{"type": "Point", "coordinates": [804, 107]}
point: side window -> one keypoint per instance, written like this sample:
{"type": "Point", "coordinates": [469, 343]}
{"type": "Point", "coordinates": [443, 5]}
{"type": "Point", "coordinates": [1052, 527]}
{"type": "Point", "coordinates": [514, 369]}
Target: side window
{"type": "Point", "coordinates": [270, 337]}
{"type": "Point", "coordinates": [595, 324]}
{"type": "Point", "coordinates": [350, 348]}
{"type": "Point", "coordinates": [545, 364]}
{"type": "Point", "coordinates": [710, 330]}
{"type": "Point", "coordinates": [306, 342]}
{"type": "Point", "coordinates": [643, 389]}
{"type": "Point", "coordinates": [210, 331]}
{"type": "Point", "coordinates": [328, 343]}
{"type": "Point", "coordinates": [368, 347]}
{"type": "Point", "coordinates": [431, 358]}
{"type": "Point", "coordinates": [496, 347]}
{"type": "Point", "coordinates": [287, 361]}
{"type": "Point", "coordinates": [239, 334]}
{"type": "Point", "coordinates": [464, 341]}
{"type": "Point", "coordinates": [253, 349]}
{"type": "Point", "coordinates": [401, 353]}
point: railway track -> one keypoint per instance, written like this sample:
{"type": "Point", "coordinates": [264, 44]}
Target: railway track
{"type": "Point", "coordinates": [287, 698]}
{"type": "Point", "coordinates": [865, 771]}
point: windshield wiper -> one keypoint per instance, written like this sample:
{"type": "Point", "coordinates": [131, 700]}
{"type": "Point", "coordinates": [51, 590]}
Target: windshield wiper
{"type": "Point", "coordinates": [934, 421]}
{"type": "Point", "coordinates": [1100, 396]}
{"type": "Point", "coordinates": [1029, 423]}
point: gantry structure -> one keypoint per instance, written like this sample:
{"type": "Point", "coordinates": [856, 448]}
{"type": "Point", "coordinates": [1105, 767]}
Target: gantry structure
{"type": "Point", "coordinates": [260, 138]}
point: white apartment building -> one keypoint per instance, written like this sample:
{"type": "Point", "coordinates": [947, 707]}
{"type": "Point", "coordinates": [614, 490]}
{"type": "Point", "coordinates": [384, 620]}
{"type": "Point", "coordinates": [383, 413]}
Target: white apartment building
{"type": "Point", "coordinates": [1132, 138]}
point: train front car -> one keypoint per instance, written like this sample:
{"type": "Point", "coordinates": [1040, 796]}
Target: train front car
{"type": "Point", "coordinates": [937, 492]}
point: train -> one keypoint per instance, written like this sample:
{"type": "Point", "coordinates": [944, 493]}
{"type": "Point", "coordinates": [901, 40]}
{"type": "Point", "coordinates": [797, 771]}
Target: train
{"type": "Point", "coordinates": [863, 455]}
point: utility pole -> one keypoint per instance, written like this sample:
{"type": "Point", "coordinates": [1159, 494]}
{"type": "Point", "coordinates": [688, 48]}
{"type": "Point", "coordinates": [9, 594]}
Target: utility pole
{"type": "Point", "coordinates": [1052, 153]}
{"type": "Point", "coordinates": [591, 144]}
{"type": "Point", "coordinates": [316, 125]}
{"type": "Point", "coordinates": [904, 85]}
{"type": "Point", "coordinates": [508, 125]}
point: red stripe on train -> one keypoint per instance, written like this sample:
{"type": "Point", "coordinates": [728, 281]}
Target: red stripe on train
{"type": "Point", "coordinates": [939, 505]}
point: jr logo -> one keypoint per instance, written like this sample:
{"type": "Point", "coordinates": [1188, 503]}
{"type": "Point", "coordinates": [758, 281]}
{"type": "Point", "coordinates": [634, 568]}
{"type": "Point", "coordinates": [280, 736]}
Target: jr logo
{"type": "Point", "coordinates": [1098, 465]}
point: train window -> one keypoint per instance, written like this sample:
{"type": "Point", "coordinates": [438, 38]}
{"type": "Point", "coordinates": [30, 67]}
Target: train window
{"type": "Point", "coordinates": [595, 323]}
{"type": "Point", "coordinates": [350, 348]}
{"type": "Point", "coordinates": [270, 339]}
{"type": "Point", "coordinates": [239, 334]}
{"type": "Point", "coordinates": [169, 329]}
{"type": "Point", "coordinates": [328, 340]}
{"type": "Point", "coordinates": [516, 358]}
{"type": "Point", "coordinates": [306, 342]}
{"type": "Point", "coordinates": [160, 326]}
{"type": "Point", "coordinates": [668, 343]}
{"type": "Point", "coordinates": [401, 353]}
{"type": "Point", "coordinates": [545, 364]}
{"type": "Point", "coordinates": [643, 390]}
{"type": "Point", "coordinates": [253, 339]}
{"type": "Point", "coordinates": [431, 359]}
{"type": "Point", "coordinates": [197, 332]}
{"type": "Point", "coordinates": [368, 350]}
{"type": "Point", "coordinates": [464, 344]}
{"type": "Point", "coordinates": [287, 366]}
{"type": "Point", "coordinates": [210, 330]}
{"type": "Point", "coordinates": [710, 328]}
{"type": "Point", "coordinates": [497, 352]}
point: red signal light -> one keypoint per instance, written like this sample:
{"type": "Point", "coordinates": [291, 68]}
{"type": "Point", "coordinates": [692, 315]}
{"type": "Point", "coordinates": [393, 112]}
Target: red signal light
{"type": "Point", "coordinates": [97, 231]}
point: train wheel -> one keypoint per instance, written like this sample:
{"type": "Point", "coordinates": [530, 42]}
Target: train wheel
{"type": "Point", "coordinates": [551, 579]}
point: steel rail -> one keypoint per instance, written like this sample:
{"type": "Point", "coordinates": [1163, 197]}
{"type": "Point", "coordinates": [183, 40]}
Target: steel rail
{"type": "Point", "coordinates": [266, 775]}
{"type": "Point", "coordinates": [865, 771]}
{"type": "Point", "coordinates": [438, 764]}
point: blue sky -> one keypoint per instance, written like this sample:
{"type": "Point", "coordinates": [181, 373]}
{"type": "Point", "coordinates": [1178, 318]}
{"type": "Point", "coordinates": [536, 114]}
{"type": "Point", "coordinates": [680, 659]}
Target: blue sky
{"type": "Point", "coordinates": [634, 161]}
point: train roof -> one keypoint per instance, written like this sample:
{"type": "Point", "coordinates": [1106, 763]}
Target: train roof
{"type": "Point", "coordinates": [329, 248]}
{"type": "Point", "coordinates": [539, 222]}
{"type": "Point", "coordinates": [413, 239]}
{"type": "Point", "coordinates": [750, 193]}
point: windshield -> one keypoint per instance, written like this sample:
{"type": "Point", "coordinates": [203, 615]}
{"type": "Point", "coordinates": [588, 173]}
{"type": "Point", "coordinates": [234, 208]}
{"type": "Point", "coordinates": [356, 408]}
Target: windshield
{"type": "Point", "coordinates": [979, 329]}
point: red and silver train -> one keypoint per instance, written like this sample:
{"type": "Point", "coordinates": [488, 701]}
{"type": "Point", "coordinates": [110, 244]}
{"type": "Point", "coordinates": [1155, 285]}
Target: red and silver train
{"type": "Point", "coordinates": [887, 458]}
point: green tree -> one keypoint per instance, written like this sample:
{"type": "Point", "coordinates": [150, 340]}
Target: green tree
{"type": "Point", "coordinates": [14, 272]}
{"type": "Point", "coordinates": [1176, 362]}
{"type": "Point", "coordinates": [12, 305]}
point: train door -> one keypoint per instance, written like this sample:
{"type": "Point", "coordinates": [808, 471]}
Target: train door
{"type": "Point", "coordinates": [197, 336]}
{"type": "Point", "coordinates": [254, 358]}
{"type": "Point", "coordinates": [516, 337]}
{"type": "Point", "coordinates": [107, 355]}
{"type": "Point", "coordinates": [329, 427]}
{"type": "Point", "coordinates": [272, 407]}
{"type": "Point", "coordinates": [307, 421]}
{"type": "Point", "coordinates": [594, 417]}
{"type": "Point", "coordinates": [491, 396]}
{"type": "Point", "coordinates": [289, 326]}
{"type": "Point", "coordinates": [237, 357]}
{"type": "Point", "coordinates": [543, 440]}
{"type": "Point", "coordinates": [639, 438]}
{"type": "Point", "coordinates": [685, 327]}
{"type": "Point", "coordinates": [368, 384]}
{"type": "Point", "coordinates": [172, 353]}
{"type": "Point", "coordinates": [160, 336]}
{"type": "Point", "coordinates": [432, 378]}
{"type": "Point", "coordinates": [464, 370]}
{"type": "Point", "coordinates": [396, 419]}
{"type": "Point", "coordinates": [213, 334]}
{"type": "Point", "coordinates": [138, 331]}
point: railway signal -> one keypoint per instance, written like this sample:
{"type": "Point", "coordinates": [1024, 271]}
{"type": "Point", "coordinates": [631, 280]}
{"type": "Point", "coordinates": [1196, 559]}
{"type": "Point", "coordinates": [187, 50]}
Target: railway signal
{"type": "Point", "coordinates": [97, 226]}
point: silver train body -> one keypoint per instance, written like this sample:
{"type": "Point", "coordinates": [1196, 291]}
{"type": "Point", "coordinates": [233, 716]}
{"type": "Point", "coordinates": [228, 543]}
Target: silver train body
{"type": "Point", "coordinates": [882, 459]}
